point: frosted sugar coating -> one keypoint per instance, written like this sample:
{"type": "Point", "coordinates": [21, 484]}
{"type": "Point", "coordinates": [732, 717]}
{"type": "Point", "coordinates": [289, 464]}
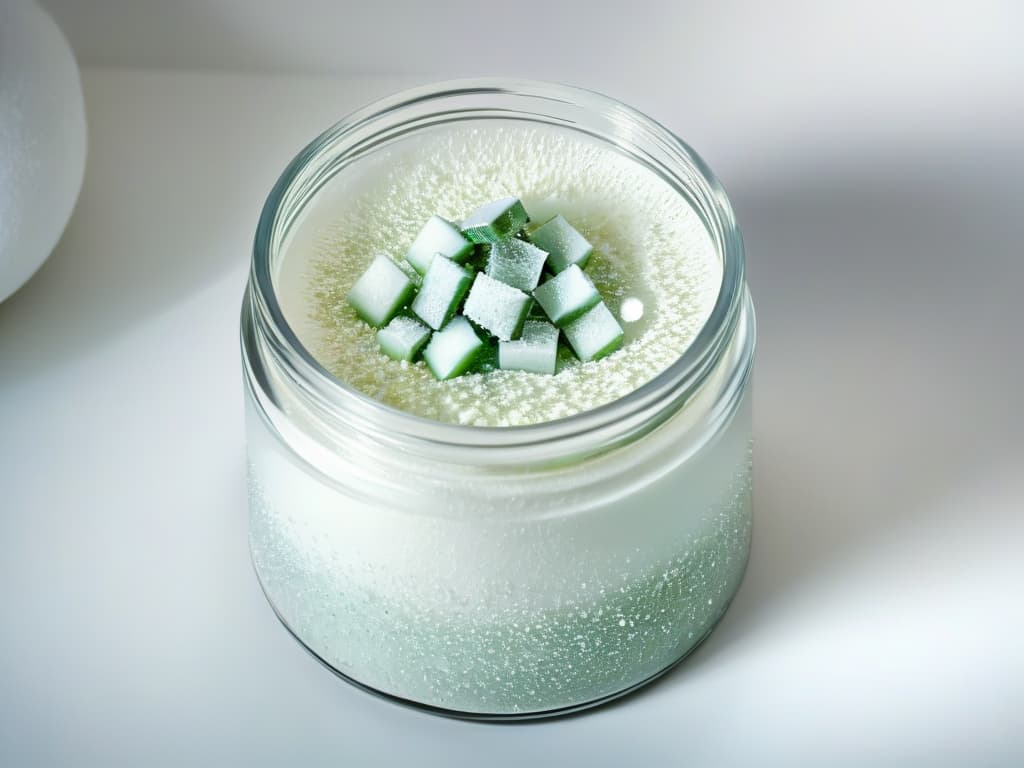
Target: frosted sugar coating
{"type": "Point", "coordinates": [451, 351]}
{"type": "Point", "coordinates": [380, 291]}
{"type": "Point", "coordinates": [563, 243]}
{"type": "Point", "coordinates": [496, 307]}
{"type": "Point", "coordinates": [437, 236]}
{"type": "Point", "coordinates": [567, 295]}
{"type": "Point", "coordinates": [402, 338]}
{"type": "Point", "coordinates": [535, 351]}
{"type": "Point", "coordinates": [495, 220]}
{"type": "Point", "coordinates": [516, 263]}
{"type": "Point", "coordinates": [594, 334]}
{"type": "Point", "coordinates": [443, 287]}
{"type": "Point", "coordinates": [649, 245]}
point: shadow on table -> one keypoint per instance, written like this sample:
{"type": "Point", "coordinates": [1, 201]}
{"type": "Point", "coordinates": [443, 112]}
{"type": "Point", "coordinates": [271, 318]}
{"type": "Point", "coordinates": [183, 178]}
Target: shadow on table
{"type": "Point", "coordinates": [886, 322]}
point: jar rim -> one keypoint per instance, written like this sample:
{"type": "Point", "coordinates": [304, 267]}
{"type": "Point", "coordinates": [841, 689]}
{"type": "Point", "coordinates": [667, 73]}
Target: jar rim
{"type": "Point", "coordinates": [600, 427]}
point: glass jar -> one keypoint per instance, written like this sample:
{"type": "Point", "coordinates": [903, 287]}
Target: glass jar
{"type": "Point", "coordinates": [511, 571]}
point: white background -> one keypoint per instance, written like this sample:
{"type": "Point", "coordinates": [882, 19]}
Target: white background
{"type": "Point", "coordinates": [874, 153]}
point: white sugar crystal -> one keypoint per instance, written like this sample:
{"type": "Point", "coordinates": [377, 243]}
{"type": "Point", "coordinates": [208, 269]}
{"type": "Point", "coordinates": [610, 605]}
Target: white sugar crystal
{"type": "Point", "coordinates": [516, 263]}
{"type": "Point", "coordinates": [437, 236]}
{"type": "Point", "coordinates": [535, 351]}
{"type": "Point", "coordinates": [563, 242]}
{"type": "Point", "coordinates": [493, 221]}
{"type": "Point", "coordinates": [451, 351]}
{"type": "Point", "coordinates": [595, 334]}
{"type": "Point", "coordinates": [380, 292]}
{"type": "Point", "coordinates": [443, 287]}
{"type": "Point", "coordinates": [488, 212]}
{"type": "Point", "coordinates": [402, 338]}
{"type": "Point", "coordinates": [567, 295]}
{"type": "Point", "coordinates": [496, 307]}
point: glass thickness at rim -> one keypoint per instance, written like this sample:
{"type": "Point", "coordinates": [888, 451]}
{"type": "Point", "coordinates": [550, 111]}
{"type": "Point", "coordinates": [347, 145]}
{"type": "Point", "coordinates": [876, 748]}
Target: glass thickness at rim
{"type": "Point", "coordinates": [626, 129]}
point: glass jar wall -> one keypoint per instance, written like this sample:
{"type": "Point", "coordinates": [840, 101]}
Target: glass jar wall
{"type": "Point", "coordinates": [499, 572]}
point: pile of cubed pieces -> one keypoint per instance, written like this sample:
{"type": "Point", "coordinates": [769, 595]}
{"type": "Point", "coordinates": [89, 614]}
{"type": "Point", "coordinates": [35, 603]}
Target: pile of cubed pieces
{"type": "Point", "coordinates": [488, 277]}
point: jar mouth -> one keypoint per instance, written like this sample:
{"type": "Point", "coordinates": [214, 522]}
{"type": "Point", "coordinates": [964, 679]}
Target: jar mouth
{"type": "Point", "coordinates": [637, 135]}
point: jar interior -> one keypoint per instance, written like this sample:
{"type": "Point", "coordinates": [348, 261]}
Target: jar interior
{"type": "Point", "coordinates": [653, 253]}
{"type": "Point", "coordinates": [375, 129]}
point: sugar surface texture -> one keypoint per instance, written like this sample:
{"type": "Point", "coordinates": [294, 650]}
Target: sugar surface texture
{"type": "Point", "coordinates": [649, 245]}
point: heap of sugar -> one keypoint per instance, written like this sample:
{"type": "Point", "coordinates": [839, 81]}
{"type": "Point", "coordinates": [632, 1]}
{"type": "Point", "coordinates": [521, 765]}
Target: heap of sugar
{"type": "Point", "coordinates": [650, 249]}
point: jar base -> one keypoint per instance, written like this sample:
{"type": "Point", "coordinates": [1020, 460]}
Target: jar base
{"type": "Point", "coordinates": [507, 717]}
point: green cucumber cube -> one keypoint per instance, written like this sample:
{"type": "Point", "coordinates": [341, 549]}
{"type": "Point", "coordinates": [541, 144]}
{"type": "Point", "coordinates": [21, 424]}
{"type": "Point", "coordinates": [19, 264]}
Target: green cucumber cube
{"type": "Point", "coordinates": [444, 286]}
{"type": "Point", "coordinates": [437, 236]}
{"type": "Point", "coordinates": [452, 351]}
{"type": "Point", "coordinates": [564, 244]}
{"type": "Point", "coordinates": [595, 334]}
{"type": "Point", "coordinates": [487, 359]}
{"type": "Point", "coordinates": [380, 292]}
{"type": "Point", "coordinates": [497, 308]}
{"type": "Point", "coordinates": [535, 351]}
{"type": "Point", "coordinates": [495, 221]}
{"type": "Point", "coordinates": [567, 295]}
{"type": "Point", "coordinates": [402, 338]}
{"type": "Point", "coordinates": [517, 263]}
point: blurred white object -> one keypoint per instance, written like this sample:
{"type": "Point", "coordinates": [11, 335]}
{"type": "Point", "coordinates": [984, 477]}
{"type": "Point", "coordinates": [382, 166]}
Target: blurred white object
{"type": "Point", "coordinates": [42, 139]}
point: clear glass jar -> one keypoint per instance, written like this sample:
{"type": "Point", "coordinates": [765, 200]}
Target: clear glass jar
{"type": "Point", "coordinates": [499, 572]}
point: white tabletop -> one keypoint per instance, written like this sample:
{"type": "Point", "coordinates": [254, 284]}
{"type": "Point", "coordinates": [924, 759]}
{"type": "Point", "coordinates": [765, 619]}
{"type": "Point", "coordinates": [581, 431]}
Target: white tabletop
{"type": "Point", "coordinates": [881, 617]}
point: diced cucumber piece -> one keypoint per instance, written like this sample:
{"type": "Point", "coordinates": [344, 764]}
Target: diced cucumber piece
{"type": "Point", "coordinates": [437, 236]}
{"type": "Point", "coordinates": [380, 292]}
{"type": "Point", "coordinates": [444, 286]}
{"type": "Point", "coordinates": [497, 308]}
{"type": "Point", "coordinates": [564, 244]}
{"type": "Point", "coordinates": [595, 334]}
{"type": "Point", "coordinates": [402, 338]}
{"type": "Point", "coordinates": [451, 352]}
{"type": "Point", "coordinates": [487, 359]}
{"type": "Point", "coordinates": [567, 295]}
{"type": "Point", "coordinates": [535, 351]}
{"type": "Point", "coordinates": [516, 263]}
{"type": "Point", "coordinates": [495, 221]}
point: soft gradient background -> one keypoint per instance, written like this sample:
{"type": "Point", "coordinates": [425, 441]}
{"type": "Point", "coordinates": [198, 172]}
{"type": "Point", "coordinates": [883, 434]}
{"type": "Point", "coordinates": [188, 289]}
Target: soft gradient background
{"type": "Point", "coordinates": [874, 153]}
